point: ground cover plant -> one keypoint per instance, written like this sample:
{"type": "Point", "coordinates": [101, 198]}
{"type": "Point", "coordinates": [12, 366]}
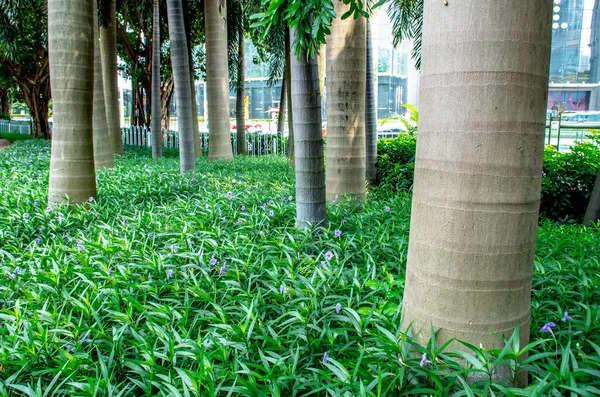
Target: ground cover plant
{"type": "Point", "coordinates": [199, 284]}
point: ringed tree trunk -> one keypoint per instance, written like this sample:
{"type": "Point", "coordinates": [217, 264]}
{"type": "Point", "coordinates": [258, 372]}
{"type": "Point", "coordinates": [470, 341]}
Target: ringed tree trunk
{"type": "Point", "coordinates": [592, 214]}
{"type": "Point", "coordinates": [71, 50]}
{"type": "Point", "coordinates": [157, 140]}
{"type": "Point", "coordinates": [288, 83]}
{"type": "Point", "coordinates": [370, 113]}
{"type": "Point", "coordinates": [239, 96]}
{"type": "Point", "coordinates": [478, 171]}
{"type": "Point", "coordinates": [309, 164]}
{"type": "Point", "coordinates": [183, 88]}
{"type": "Point", "coordinates": [282, 107]}
{"type": "Point", "coordinates": [103, 153]}
{"type": "Point", "coordinates": [108, 53]}
{"type": "Point", "coordinates": [197, 145]}
{"type": "Point", "coordinates": [346, 71]}
{"type": "Point", "coordinates": [219, 138]}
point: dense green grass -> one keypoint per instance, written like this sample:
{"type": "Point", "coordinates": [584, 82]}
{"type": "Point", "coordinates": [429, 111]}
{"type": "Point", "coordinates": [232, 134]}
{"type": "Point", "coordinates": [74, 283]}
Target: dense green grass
{"type": "Point", "coordinates": [13, 136]}
{"type": "Point", "coordinates": [174, 284]}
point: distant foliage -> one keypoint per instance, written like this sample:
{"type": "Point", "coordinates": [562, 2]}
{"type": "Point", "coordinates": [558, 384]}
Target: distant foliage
{"type": "Point", "coordinates": [568, 181]}
{"type": "Point", "coordinates": [568, 176]}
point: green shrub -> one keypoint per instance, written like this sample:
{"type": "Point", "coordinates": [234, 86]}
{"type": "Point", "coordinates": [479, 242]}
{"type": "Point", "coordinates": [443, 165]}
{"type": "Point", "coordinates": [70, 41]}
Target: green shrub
{"type": "Point", "coordinates": [13, 136]}
{"type": "Point", "coordinates": [396, 162]}
{"type": "Point", "coordinates": [4, 116]}
{"type": "Point", "coordinates": [568, 177]}
{"type": "Point", "coordinates": [568, 181]}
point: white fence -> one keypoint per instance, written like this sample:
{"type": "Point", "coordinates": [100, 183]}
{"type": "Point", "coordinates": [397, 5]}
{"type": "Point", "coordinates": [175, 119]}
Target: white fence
{"type": "Point", "coordinates": [256, 143]}
{"type": "Point", "coordinates": [16, 126]}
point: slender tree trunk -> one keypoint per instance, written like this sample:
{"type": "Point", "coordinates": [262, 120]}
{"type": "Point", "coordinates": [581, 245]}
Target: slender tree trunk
{"type": "Point", "coordinates": [592, 215]}
{"type": "Point", "coordinates": [108, 53]}
{"type": "Point", "coordinates": [165, 103]}
{"type": "Point", "coordinates": [197, 145]}
{"type": "Point", "coordinates": [239, 100]}
{"type": "Point", "coordinates": [346, 71]}
{"type": "Point", "coordinates": [103, 153]}
{"type": "Point", "coordinates": [215, 19]}
{"type": "Point", "coordinates": [288, 83]}
{"type": "Point", "coordinates": [183, 88]}
{"type": "Point", "coordinates": [282, 97]}
{"type": "Point", "coordinates": [37, 97]}
{"type": "Point", "coordinates": [4, 102]}
{"type": "Point", "coordinates": [478, 171]}
{"type": "Point", "coordinates": [370, 113]}
{"type": "Point", "coordinates": [310, 167]}
{"type": "Point", "coordinates": [157, 140]}
{"type": "Point", "coordinates": [134, 105]}
{"type": "Point", "coordinates": [71, 49]}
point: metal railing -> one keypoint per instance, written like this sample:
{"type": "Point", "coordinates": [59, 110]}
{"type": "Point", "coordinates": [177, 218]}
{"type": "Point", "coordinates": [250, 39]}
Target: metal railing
{"type": "Point", "coordinates": [257, 144]}
{"type": "Point", "coordinates": [16, 126]}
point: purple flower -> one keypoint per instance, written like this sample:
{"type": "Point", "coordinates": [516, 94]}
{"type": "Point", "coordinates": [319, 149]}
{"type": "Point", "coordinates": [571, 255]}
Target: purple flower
{"type": "Point", "coordinates": [424, 360]}
{"type": "Point", "coordinates": [284, 199]}
{"type": "Point", "coordinates": [281, 289]}
{"type": "Point", "coordinates": [264, 206]}
{"type": "Point", "coordinates": [566, 317]}
{"type": "Point", "coordinates": [110, 272]}
{"type": "Point", "coordinates": [368, 267]}
{"type": "Point", "coordinates": [271, 202]}
{"type": "Point", "coordinates": [325, 358]}
{"type": "Point", "coordinates": [548, 327]}
{"type": "Point", "coordinates": [229, 194]}
{"type": "Point", "coordinates": [80, 247]}
{"type": "Point", "coordinates": [323, 263]}
{"type": "Point", "coordinates": [193, 180]}
{"type": "Point", "coordinates": [26, 216]}
{"type": "Point", "coordinates": [218, 188]}
{"type": "Point", "coordinates": [338, 232]}
{"type": "Point", "coordinates": [170, 273]}
{"type": "Point", "coordinates": [338, 308]}
{"type": "Point", "coordinates": [91, 199]}
{"type": "Point", "coordinates": [172, 183]}
{"type": "Point", "coordinates": [271, 213]}
{"type": "Point", "coordinates": [328, 255]}
{"type": "Point", "coordinates": [18, 270]}
{"type": "Point", "coordinates": [387, 209]}
{"type": "Point", "coordinates": [243, 208]}
{"type": "Point", "coordinates": [174, 248]}
{"type": "Point", "coordinates": [344, 221]}
{"type": "Point", "coordinates": [213, 261]}
{"type": "Point", "coordinates": [86, 340]}
{"type": "Point", "coordinates": [222, 269]}
{"type": "Point", "coordinates": [37, 240]}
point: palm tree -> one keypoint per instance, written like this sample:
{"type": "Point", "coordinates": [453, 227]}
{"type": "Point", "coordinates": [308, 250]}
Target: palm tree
{"type": "Point", "coordinates": [157, 140]}
{"type": "Point", "coordinates": [310, 176]}
{"type": "Point", "coordinates": [346, 71]}
{"type": "Point", "coordinates": [71, 49]}
{"type": "Point", "coordinates": [215, 19]}
{"type": "Point", "coordinates": [183, 89]}
{"type": "Point", "coordinates": [108, 53]}
{"type": "Point", "coordinates": [478, 171]}
{"type": "Point", "coordinates": [236, 20]}
{"type": "Point", "coordinates": [592, 214]}
{"type": "Point", "coordinates": [288, 83]}
{"type": "Point", "coordinates": [370, 112]}
{"type": "Point", "coordinates": [103, 153]}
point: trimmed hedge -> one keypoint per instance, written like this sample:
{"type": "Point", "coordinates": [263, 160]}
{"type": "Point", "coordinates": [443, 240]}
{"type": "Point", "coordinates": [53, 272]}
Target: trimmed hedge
{"type": "Point", "coordinates": [568, 177]}
{"type": "Point", "coordinates": [13, 136]}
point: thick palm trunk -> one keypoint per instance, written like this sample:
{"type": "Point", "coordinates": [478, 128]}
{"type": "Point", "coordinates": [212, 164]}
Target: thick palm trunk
{"type": "Point", "coordinates": [288, 83]}
{"type": "Point", "coordinates": [478, 170]}
{"type": "Point", "coordinates": [346, 70]}
{"type": "Point", "coordinates": [183, 89]}
{"type": "Point", "coordinates": [370, 112]}
{"type": "Point", "coordinates": [108, 53]}
{"type": "Point", "coordinates": [239, 100]}
{"type": "Point", "coordinates": [157, 141]}
{"type": "Point", "coordinates": [592, 215]}
{"type": "Point", "coordinates": [71, 49]}
{"type": "Point", "coordinates": [282, 100]}
{"type": "Point", "coordinates": [217, 82]}
{"type": "Point", "coordinates": [309, 165]}
{"type": "Point", "coordinates": [103, 153]}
